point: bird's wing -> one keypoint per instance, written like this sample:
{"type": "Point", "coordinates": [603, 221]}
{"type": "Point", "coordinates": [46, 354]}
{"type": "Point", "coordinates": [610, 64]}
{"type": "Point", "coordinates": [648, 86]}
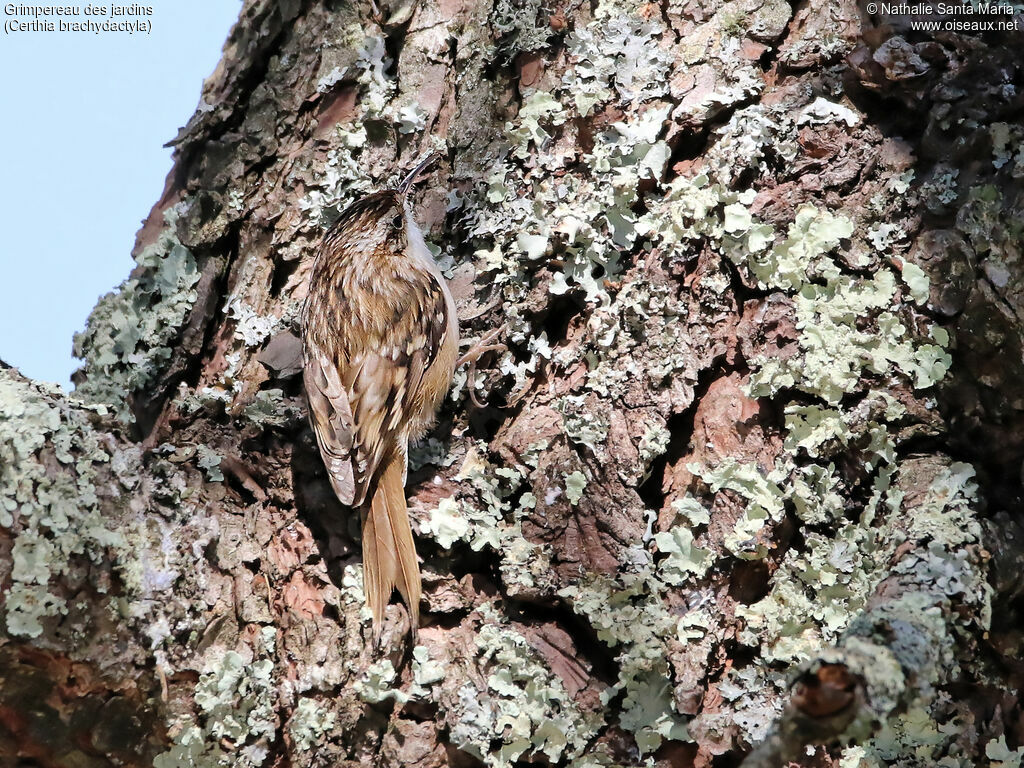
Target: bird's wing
{"type": "Point", "coordinates": [385, 374]}
{"type": "Point", "coordinates": [330, 415]}
{"type": "Point", "coordinates": [362, 391]}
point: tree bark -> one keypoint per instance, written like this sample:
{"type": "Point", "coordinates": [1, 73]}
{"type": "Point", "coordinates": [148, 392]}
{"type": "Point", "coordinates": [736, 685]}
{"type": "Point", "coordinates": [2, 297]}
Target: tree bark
{"type": "Point", "coordinates": [743, 485]}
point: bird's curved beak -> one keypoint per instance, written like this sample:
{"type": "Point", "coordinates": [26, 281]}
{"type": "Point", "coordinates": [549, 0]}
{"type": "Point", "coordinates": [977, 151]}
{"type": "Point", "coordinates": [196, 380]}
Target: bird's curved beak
{"type": "Point", "coordinates": [408, 181]}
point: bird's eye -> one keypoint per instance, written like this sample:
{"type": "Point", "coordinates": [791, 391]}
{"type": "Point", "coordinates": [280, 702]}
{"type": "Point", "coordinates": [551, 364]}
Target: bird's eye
{"type": "Point", "coordinates": [398, 221]}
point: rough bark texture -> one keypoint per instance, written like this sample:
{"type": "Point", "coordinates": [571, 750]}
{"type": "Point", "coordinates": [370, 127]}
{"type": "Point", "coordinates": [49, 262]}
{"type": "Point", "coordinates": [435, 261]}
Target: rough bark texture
{"type": "Point", "coordinates": [744, 483]}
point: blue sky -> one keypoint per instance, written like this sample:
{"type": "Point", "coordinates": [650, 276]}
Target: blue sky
{"type": "Point", "coordinates": [83, 121]}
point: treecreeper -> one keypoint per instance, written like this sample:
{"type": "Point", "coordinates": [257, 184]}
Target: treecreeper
{"type": "Point", "coordinates": [379, 343]}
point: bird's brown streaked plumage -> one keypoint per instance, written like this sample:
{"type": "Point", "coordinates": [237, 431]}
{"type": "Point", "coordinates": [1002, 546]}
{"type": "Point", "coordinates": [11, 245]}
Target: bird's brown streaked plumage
{"type": "Point", "coordinates": [380, 338]}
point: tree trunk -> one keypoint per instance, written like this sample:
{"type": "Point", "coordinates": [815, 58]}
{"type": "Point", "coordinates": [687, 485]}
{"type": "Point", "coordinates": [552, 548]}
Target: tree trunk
{"type": "Point", "coordinates": [742, 484]}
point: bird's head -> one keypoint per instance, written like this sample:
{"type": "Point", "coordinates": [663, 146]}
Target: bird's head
{"type": "Point", "coordinates": [378, 221]}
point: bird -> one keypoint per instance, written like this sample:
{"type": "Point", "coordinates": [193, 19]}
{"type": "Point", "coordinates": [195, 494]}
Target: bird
{"type": "Point", "coordinates": [380, 337]}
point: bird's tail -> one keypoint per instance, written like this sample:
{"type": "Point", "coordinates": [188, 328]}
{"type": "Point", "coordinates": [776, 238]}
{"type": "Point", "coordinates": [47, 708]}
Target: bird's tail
{"type": "Point", "coordinates": [389, 554]}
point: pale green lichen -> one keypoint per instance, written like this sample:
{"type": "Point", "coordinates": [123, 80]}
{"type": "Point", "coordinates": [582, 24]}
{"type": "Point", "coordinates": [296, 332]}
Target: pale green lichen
{"type": "Point", "coordinates": [377, 87]}
{"type": "Point", "coordinates": [852, 333]}
{"type": "Point", "coordinates": [653, 444]}
{"type": "Point", "coordinates": [411, 119]}
{"type": "Point", "coordinates": [55, 512]}
{"type": "Point", "coordinates": [575, 484]}
{"type": "Point", "coordinates": [941, 188]}
{"type": "Point", "coordinates": [583, 425]}
{"type": "Point", "coordinates": [883, 236]}
{"type": "Point", "coordinates": [1008, 147]}
{"type": "Point", "coordinates": [493, 486]}
{"type": "Point", "coordinates": [209, 461]}
{"type": "Point", "coordinates": [836, 350]}
{"type": "Point", "coordinates": [799, 258]}
{"type": "Point", "coordinates": [488, 519]}
{"type": "Point", "coordinates": [918, 737]}
{"type": "Point", "coordinates": [519, 25]}
{"type": "Point", "coordinates": [617, 53]}
{"type": "Point", "coordinates": [765, 502]}
{"type": "Point", "coordinates": [814, 490]}
{"type": "Point", "coordinates": [540, 108]}
{"type": "Point", "coordinates": [523, 706]}
{"type": "Point", "coordinates": [815, 597]}
{"type": "Point", "coordinates": [904, 647]}
{"type": "Point", "coordinates": [691, 509]}
{"type": "Point", "coordinates": [1001, 755]}
{"type": "Point", "coordinates": [310, 722]}
{"type": "Point", "coordinates": [27, 605]}
{"type": "Point", "coordinates": [592, 213]}
{"type": "Point", "coordinates": [430, 451]}
{"type": "Point", "coordinates": [628, 614]}
{"type": "Point", "coordinates": [636, 337]}
{"type": "Point", "coordinates": [831, 306]}
{"type": "Point", "coordinates": [353, 596]}
{"type": "Point", "coordinates": [446, 524]}
{"type": "Point", "coordinates": [683, 558]}
{"type": "Point", "coordinates": [130, 333]}
{"type": "Point", "coordinates": [268, 407]}
{"type": "Point", "coordinates": [377, 683]}
{"type": "Point", "coordinates": [236, 720]}
{"type": "Point", "coordinates": [810, 427]}
{"type": "Point", "coordinates": [851, 327]}
{"type": "Point", "coordinates": [331, 185]}
{"type": "Point", "coordinates": [425, 673]}
{"type": "Point", "coordinates": [251, 327]}
{"type": "Point", "coordinates": [820, 589]}
{"type": "Point", "coordinates": [917, 282]}
{"type": "Point", "coordinates": [337, 181]}
{"type": "Point", "coordinates": [749, 141]}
